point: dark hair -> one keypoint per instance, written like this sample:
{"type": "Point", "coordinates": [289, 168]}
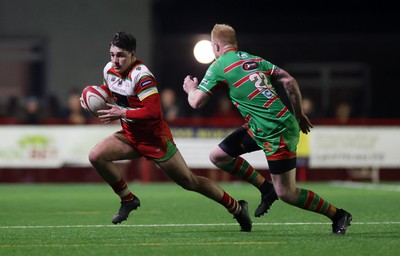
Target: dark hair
{"type": "Point", "coordinates": [124, 41]}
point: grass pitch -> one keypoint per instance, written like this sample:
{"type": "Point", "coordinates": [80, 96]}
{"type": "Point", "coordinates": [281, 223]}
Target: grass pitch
{"type": "Point", "coordinates": [75, 219]}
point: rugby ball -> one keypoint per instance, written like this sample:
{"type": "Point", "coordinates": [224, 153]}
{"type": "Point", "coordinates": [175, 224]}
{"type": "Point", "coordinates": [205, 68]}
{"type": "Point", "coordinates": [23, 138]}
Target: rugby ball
{"type": "Point", "coordinates": [94, 98]}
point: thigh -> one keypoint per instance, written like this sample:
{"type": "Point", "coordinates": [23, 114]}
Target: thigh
{"type": "Point", "coordinates": [238, 143]}
{"type": "Point", "coordinates": [113, 148]}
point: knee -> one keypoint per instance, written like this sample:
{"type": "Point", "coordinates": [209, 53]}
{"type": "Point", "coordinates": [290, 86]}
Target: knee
{"type": "Point", "coordinates": [286, 194]}
{"type": "Point", "coordinates": [94, 156]}
{"type": "Point", "coordinates": [282, 194]}
{"type": "Point", "coordinates": [219, 157]}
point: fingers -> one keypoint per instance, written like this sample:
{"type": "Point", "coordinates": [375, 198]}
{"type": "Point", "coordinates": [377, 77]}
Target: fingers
{"type": "Point", "coordinates": [305, 124]}
{"type": "Point", "coordinates": [190, 78]}
{"type": "Point", "coordinates": [102, 111]}
{"type": "Point", "coordinates": [188, 83]}
{"type": "Point", "coordinates": [83, 105]}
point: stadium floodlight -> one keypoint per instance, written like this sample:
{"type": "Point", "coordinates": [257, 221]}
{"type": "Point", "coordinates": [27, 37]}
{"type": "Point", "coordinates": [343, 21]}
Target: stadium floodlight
{"type": "Point", "coordinates": [203, 52]}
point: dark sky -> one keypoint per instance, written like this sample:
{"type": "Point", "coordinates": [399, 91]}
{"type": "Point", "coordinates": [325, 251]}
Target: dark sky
{"type": "Point", "coordinates": [277, 16]}
{"type": "Point", "coordinates": [286, 32]}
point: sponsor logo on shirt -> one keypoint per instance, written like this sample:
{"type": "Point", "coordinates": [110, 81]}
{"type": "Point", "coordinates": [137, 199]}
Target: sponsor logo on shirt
{"type": "Point", "coordinates": [250, 65]}
{"type": "Point", "coordinates": [208, 73]}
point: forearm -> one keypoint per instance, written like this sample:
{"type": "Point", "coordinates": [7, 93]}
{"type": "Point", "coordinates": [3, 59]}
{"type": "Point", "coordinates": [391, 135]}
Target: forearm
{"type": "Point", "coordinates": [193, 99]}
{"type": "Point", "coordinates": [294, 95]}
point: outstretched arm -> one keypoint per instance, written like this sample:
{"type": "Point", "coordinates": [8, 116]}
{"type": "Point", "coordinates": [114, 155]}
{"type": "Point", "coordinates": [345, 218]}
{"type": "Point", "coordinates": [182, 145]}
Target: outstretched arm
{"type": "Point", "coordinates": [196, 98]}
{"type": "Point", "coordinates": [292, 89]}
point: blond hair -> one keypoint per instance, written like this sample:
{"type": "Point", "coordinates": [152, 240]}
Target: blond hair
{"type": "Point", "coordinates": [225, 34]}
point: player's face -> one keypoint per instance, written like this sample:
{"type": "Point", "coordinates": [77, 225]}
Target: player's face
{"type": "Point", "coordinates": [121, 59]}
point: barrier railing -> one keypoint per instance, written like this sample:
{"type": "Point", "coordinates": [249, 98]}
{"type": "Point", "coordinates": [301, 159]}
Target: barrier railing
{"type": "Point", "coordinates": [358, 146]}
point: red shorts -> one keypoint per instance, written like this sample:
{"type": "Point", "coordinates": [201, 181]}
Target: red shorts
{"type": "Point", "coordinates": [148, 141]}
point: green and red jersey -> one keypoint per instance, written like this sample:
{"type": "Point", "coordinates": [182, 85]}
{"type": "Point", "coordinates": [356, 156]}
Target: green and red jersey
{"type": "Point", "coordinates": [248, 79]}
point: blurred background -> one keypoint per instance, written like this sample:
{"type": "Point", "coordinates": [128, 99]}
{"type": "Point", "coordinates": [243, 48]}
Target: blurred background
{"type": "Point", "coordinates": [343, 54]}
{"type": "Point", "coordinates": [339, 52]}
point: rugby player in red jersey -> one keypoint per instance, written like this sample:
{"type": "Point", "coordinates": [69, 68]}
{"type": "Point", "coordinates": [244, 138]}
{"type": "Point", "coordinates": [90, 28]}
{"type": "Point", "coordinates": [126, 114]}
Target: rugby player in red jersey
{"type": "Point", "coordinates": [145, 133]}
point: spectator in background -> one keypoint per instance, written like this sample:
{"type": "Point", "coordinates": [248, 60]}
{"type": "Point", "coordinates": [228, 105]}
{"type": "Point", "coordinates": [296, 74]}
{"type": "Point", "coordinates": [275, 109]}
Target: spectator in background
{"type": "Point", "coordinates": [13, 109]}
{"type": "Point", "coordinates": [169, 104]}
{"type": "Point", "coordinates": [343, 112]}
{"type": "Point", "coordinates": [32, 111]}
{"type": "Point", "coordinates": [52, 109]}
{"type": "Point", "coordinates": [309, 108]}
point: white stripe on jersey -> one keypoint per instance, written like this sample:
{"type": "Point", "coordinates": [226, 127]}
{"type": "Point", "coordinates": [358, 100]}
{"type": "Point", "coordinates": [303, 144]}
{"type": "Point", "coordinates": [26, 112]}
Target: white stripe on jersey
{"type": "Point", "coordinates": [146, 93]}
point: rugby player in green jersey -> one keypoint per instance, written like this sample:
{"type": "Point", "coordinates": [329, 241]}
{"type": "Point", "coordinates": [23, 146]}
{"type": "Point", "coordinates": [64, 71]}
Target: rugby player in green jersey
{"type": "Point", "coordinates": [269, 99]}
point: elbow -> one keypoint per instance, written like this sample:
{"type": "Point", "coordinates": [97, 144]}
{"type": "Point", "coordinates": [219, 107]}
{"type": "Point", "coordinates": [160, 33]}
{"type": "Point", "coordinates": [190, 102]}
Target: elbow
{"type": "Point", "coordinates": [196, 104]}
{"type": "Point", "coordinates": [197, 99]}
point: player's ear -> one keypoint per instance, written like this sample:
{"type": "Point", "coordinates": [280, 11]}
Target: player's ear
{"type": "Point", "coordinates": [217, 47]}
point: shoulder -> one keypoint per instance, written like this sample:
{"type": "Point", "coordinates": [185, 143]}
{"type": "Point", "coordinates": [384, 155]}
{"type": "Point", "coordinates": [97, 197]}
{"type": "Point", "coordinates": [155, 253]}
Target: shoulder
{"type": "Point", "coordinates": [140, 70]}
{"type": "Point", "coordinates": [107, 68]}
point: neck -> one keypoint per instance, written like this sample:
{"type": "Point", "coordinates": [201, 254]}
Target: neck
{"type": "Point", "coordinates": [229, 48]}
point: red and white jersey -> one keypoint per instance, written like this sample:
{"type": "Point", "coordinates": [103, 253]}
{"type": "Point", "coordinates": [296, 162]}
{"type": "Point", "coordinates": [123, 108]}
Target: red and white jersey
{"type": "Point", "coordinates": [129, 91]}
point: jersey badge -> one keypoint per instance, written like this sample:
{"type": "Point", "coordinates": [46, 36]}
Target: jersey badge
{"type": "Point", "coordinates": [250, 65]}
{"type": "Point", "coordinates": [204, 81]}
{"type": "Point", "coordinates": [243, 55]}
{"type": "Point", "coordinates": [145, 82]}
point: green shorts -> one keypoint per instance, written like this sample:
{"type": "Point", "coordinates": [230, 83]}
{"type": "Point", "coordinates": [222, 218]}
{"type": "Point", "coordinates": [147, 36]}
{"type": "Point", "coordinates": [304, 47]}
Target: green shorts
{"type": "Point", "coordinates": [279, 142]}
{"type": "Point", "coordinates": [171, 150]}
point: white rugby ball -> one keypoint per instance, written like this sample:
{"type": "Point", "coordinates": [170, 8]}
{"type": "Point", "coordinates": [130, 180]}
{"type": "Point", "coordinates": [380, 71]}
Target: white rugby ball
{"type": "Point", "coordinates": [95, 99]}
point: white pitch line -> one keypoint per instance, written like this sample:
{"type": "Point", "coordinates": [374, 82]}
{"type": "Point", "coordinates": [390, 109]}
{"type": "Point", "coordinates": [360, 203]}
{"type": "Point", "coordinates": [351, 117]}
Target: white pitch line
{"type": "Point", "coordinates": [367, 186]}
{"type": "Point", "coordinates": [196, 225]}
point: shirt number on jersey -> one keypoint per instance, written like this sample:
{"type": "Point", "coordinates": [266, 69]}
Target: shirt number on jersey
{"type": "Point", "coordinates": [260, 81]}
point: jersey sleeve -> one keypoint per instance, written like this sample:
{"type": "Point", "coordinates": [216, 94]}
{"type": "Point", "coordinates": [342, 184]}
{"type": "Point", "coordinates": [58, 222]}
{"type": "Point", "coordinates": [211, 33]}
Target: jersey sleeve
{"type": "Point", "coordinates": [212, 79]}
{"type": "Point", "coordinates": [147, 93]}
{"type": "Point", "coordinates": [151, 109]}
{"type": "Point", "coordinates": [271, 69]}
{"type": "Point", "coordinates": [146, 86]}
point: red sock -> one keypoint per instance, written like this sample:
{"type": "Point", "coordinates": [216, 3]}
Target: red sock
{"type": "Point", "coordinates": [122, 190]}
{"type": "Point", "coordinates": [230, 204]}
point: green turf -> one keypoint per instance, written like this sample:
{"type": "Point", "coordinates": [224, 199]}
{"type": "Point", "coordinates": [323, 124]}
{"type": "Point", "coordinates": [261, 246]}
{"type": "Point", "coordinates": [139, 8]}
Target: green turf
{"type": "Point", "coordinates": [75, 219]}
